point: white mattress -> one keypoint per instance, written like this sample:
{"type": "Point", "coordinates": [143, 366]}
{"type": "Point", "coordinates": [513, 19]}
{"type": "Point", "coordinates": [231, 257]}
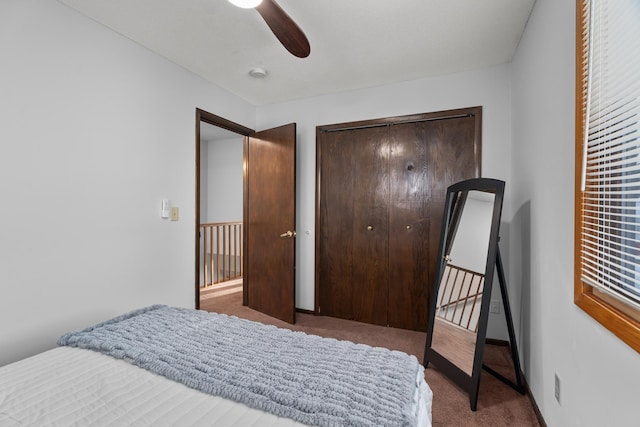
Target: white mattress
{"type": "Point", "coordinates": [69, 386]}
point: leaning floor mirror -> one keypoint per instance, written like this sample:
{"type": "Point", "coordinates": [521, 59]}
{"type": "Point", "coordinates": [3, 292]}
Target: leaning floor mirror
{"type": "Point", "coordinates": [459, 306]}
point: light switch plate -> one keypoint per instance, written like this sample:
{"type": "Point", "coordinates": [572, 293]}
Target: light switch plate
{"type": "Point", "coordinates": [175, 214]}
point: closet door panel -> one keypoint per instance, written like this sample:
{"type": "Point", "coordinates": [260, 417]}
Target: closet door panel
{"type": "Point", "coordinates": [408, 227]}
{"type": "Point", "coordinates": [453, 154]}
{"type": "Point", "coordinates": [335, 251]}
{"type": "Point", "coordinates": [371, 225]}
{"type": "Point", "coordinates": [408, 267]}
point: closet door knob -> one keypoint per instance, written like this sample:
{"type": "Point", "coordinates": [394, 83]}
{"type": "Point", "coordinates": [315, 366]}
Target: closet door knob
{"type": "Point", "coordinates": [369, 227]}
{"type": "Point", "coordinates": [408, 227]}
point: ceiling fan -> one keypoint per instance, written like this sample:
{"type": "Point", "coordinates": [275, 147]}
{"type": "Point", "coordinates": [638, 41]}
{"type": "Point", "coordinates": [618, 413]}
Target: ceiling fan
{"type": "Point", "coordinates": [281, 24]}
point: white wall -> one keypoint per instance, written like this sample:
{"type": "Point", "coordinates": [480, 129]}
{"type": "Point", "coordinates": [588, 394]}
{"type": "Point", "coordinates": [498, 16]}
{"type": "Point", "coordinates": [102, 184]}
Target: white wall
{"type": "Point", "coordinates": [599, 373]}
{"type": "Point", "coordinates": [95, 131]}
{"type": "Point", "coordinates": [489, 88]}
{"type": "Point", "coordinates": [221, 170]}
{"type": "Point", "coordinates": [473, 232]}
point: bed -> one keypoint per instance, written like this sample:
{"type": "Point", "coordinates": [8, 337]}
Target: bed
{"type": "Point", "coordinates": [168, 366]}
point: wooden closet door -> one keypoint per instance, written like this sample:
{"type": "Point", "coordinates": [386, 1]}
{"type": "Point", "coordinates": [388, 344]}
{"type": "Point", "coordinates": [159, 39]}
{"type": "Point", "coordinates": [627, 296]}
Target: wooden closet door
{"type": "Point", "coordinates": [409, 219]}
{"type": "Point", "coordinates": [381, 189]}
{"type": "Point", "coordinates": [454, 155]}
{"type": "Point", "coordinates": [335, 234]}
{"type": "Point", "coordinates": [371, 225]}
{"type": "Point", "coordinates": [354, 216]}
{"type": "Point", "coordinates": [426, 158]}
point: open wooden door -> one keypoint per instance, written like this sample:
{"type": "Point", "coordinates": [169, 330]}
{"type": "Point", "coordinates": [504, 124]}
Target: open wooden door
{"type": "Point", "coordinates": [270, 219]}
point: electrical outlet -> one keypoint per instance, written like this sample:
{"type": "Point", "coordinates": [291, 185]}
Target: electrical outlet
{"type": "Point", "coordinates": [495, 306]}
{"type": "Point", "coordinates": [557, 388]}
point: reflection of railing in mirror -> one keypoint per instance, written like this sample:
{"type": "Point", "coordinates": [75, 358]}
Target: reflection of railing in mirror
{"type": "Point", "coordinates": [459, 297]}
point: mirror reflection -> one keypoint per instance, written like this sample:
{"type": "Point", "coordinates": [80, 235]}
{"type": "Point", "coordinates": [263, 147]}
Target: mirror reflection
{"type": "Point", "coordinates": [459, 297]}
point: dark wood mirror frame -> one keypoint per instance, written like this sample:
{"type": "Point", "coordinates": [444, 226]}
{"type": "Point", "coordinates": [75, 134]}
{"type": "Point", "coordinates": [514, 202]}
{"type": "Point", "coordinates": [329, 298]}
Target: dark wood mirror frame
{"type": "Point", "coordinates": [471, 383]}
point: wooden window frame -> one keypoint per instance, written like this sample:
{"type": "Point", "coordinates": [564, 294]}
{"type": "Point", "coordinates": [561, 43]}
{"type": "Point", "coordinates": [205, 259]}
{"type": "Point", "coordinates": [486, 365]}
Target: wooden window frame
{"type": "Point", "coordinates": [616, 316]}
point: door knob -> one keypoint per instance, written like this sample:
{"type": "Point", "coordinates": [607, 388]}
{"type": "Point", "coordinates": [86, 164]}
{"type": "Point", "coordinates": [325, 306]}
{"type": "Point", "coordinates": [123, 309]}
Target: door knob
{"type": "Point", "coordinates": [288, 234]}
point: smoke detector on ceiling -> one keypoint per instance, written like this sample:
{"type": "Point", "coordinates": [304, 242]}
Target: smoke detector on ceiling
{"type": "Point", "coordinates": [258, 73]}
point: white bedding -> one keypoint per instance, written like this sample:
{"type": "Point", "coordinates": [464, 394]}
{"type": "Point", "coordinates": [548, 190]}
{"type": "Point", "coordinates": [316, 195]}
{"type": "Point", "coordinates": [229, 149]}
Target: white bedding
{"type": "Point", "coordinates": [69, 386]}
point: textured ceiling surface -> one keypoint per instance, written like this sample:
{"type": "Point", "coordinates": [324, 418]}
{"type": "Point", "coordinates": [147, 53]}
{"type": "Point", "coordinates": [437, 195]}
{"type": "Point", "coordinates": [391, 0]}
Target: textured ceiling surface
{"type": "Point", "coordinates": [354, 43]}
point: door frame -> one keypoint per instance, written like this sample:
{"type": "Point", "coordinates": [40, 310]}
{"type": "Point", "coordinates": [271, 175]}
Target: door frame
{"type": "Point", "coordinates": [212, 119]}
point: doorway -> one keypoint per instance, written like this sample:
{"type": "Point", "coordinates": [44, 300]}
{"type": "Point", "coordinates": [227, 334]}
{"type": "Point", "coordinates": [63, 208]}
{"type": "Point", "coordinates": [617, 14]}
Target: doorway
{"type": "Point", "coordinates": [219, 208]}
{"type": "Point", "coordinates": [267, 241]}
{"type": "Point", "coordinates": [221, 213]}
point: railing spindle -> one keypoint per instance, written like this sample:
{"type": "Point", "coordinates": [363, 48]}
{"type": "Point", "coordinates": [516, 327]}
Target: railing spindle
{"type": "Point", "coordinates": [221, 258]}
{"type": "Point", "coordinates": [203, 233]}
{"type": "Point", "coordinates": [239, 251]}
{"type": "Point", "coordinates": [212, 239]}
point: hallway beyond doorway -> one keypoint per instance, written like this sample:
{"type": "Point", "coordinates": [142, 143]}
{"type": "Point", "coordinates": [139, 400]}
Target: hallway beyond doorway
{"type": "Point", "coordinates": [210, 293]}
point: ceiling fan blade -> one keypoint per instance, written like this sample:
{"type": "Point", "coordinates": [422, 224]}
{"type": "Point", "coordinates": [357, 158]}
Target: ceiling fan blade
{"type": "Point", "coordinates": [284, 28]}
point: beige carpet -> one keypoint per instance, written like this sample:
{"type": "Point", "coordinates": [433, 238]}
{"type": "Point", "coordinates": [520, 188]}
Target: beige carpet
{"type": "Point", "coordinates": [498, 404]}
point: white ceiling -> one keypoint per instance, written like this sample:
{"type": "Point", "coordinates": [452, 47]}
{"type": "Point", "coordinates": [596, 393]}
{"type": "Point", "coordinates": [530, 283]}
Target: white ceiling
{"type": "Point", "coordinates": [354, 43]}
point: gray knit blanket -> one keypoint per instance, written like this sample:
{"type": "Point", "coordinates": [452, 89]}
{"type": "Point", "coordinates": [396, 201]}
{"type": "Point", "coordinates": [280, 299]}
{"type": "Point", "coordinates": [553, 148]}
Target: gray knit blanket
{"type": "Point", "coordinates": [313, 380]}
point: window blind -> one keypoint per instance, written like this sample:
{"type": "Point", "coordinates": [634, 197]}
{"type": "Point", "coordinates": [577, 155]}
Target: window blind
{"type": "Point", "coordinates": [610, 246]}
